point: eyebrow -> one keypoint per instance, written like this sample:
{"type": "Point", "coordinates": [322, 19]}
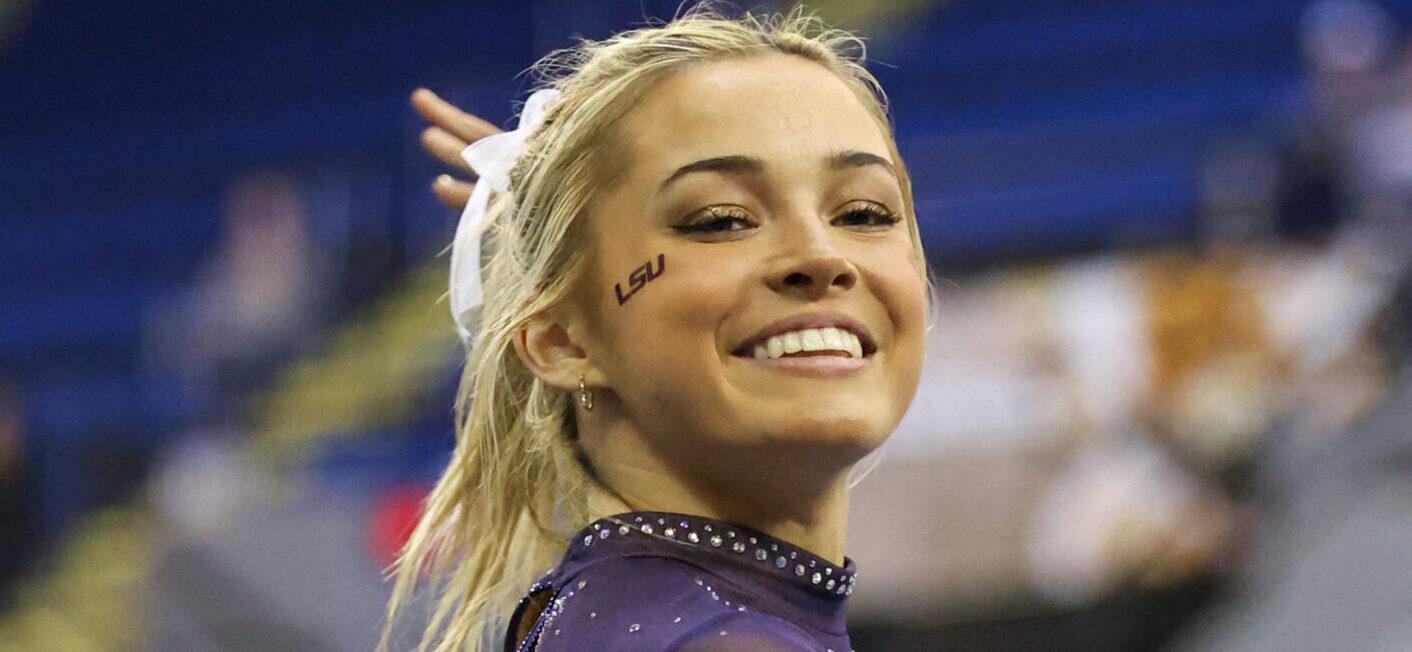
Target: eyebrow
{"type": "Point", "coordinates": [738, 164]}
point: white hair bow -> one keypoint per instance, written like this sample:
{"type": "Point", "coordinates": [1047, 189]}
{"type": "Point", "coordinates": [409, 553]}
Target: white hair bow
{"type": "Point", "coordinates": [491, 158]}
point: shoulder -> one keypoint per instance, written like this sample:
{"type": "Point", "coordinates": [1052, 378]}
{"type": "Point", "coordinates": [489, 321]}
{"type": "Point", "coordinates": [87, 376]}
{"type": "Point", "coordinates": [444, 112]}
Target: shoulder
{"type": "Point", "coordinates": [650, 604]}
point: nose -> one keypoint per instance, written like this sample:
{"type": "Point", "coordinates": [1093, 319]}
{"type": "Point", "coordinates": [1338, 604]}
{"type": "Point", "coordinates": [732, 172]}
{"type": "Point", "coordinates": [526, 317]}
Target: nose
{"type": "Point", "coordinates": [812, 266]}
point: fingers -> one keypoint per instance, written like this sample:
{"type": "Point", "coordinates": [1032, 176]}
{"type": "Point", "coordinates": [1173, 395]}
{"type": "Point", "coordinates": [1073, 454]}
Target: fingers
{"type": "Point", "coordinates": [445, 147]}
{"type": "Point", "coordinates": [450, 130]}
{"type": "Point", "coordinates": [452, 192]}
{"type": "Point", "coordinates": [447, 116]}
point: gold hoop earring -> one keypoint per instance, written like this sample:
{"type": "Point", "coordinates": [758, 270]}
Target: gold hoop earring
{"type": "Point", "coordinates": [585, 395]}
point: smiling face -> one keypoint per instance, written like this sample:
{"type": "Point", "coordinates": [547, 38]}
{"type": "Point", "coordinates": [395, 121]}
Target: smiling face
{"type": "Point", "coordinates": [756, 199]}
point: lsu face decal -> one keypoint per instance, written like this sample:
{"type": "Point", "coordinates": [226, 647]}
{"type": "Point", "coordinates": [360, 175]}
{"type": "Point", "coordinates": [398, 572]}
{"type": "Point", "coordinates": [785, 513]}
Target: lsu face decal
{"type": "Point", "coordinates": [640, 277]}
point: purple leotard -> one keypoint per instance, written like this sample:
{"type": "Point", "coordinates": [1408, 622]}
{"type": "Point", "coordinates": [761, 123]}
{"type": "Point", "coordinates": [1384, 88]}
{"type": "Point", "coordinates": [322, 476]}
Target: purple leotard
{"type": "Point", "coordinates": [657, 582]}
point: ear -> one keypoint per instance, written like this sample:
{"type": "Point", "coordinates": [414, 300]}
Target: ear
{"type": "Point", "coordinates": [547, 346]}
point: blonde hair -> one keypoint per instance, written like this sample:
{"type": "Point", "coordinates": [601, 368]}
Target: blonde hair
{"type": "Point", "coordinates": [515, 489]}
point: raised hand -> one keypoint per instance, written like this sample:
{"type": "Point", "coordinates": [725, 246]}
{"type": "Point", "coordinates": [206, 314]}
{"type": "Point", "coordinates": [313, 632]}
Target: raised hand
{"type": "Point", "coordinates": [448, 132]}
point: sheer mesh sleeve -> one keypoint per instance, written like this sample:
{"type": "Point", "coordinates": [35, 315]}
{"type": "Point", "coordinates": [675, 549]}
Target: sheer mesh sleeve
{"type": "Point", "coordinates": [755, 632]}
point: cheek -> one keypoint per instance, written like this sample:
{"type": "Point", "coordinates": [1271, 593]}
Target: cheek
{"type": "Point", "coordinates": [899, 287]}
{"type": "Point", "coordinates": [669, 323]}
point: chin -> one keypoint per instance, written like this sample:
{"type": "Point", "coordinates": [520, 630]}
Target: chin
{"type": "Point", "coordinates": [846, 436]}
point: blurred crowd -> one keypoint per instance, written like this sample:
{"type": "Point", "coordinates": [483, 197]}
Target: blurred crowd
{"type": "Point", "coordinates": [1201, 444]}
{"type": "Point", "coordinates": [1219, 425]}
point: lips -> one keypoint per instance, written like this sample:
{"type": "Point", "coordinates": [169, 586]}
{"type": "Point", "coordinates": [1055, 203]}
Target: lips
{"type": "Point", "coordinates": [809, 321]}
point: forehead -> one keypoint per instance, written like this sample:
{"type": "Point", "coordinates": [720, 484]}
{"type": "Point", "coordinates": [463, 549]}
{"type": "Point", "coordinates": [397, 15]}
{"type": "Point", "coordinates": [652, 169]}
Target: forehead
{"type": "Point", "coordinates": [772, 106]}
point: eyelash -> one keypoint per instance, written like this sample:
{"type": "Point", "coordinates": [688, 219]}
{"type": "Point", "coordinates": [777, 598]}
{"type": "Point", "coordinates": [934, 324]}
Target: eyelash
{"type": "Point", "coordinates": [883, 217]}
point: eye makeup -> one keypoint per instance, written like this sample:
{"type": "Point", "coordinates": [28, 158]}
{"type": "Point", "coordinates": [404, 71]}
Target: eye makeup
{"type": "Point", "coordinates": [867, 214]}
{"type": "Point", "coordinates": [874, 215]}
{"type": "Point", "coordinates": [719, 219]}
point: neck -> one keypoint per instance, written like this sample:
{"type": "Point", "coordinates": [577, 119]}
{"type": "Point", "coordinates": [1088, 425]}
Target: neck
{"type": "Point", "coordinates": [779, 493]}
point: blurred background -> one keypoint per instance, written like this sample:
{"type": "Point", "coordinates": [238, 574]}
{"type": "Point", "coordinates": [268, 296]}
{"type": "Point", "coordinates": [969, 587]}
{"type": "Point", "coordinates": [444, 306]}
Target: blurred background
{"type": "Point", "coordinates": [1167, 404]}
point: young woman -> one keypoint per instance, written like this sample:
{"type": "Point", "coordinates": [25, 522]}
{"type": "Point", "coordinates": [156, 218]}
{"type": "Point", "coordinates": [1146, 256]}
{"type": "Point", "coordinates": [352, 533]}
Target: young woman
{"type": "Point", "coordinates": [704, 303]}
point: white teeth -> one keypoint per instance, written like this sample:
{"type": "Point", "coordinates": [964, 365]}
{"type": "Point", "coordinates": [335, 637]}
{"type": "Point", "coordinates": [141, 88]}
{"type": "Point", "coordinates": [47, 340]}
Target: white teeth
{"type": "Point", "coordinates": [810, 339]}
{"type": "Point", "coordinates": [774, 347]}
{"type": "Point", "coordinates": [791, 343]}
{"type": "Point", "coordinates": [855, 345]}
